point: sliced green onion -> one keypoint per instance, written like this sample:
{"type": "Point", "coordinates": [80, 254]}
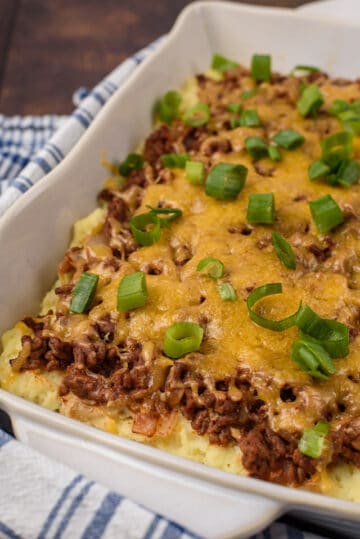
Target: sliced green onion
{"type": "Point", "coordinates": [318, 169]}
{"type": "Point", "coordinates": [312, 358]}
{"type": "Point", "coordinates": [336, 164]}
{"type": "Point", "coordinates": [225, 181]}
{"type": "Point", "coordinates": [220, 63]}
{"type": "Point", "coordinates": [355, 106]}
{"type": "Point", "coordinates": [348, 116]}
{"type": "Point", "coordinates": [215, 268]}
{"type": "Point", "coordinates": [288, 139]}
{"type": "Point", "coordinates": [173, 213]}
{"type": "Point", "coordinates": [250, 118]}
{"type": "Point", "coordinates": [338, 106]}
{"type": "Point", "coordinates": [261, 208]}
{"type": "Point", "coordinates": [182, 338]}
{"type": "Point", "coordinates": [322, 427]}
{"type": "Point", "coordinates": [248, 94]}
{"type": "Point", "coordinates": [197, 115]}
{"type": "Point", "coordinates": [274, 153]}
{"type": "Point", "coordinates": [283, 250]}
{"type": "Point", "coordinates": [234, 123]}
{"type": "Point", "coordinates": [326, 213]}
{"type": "Point", "coordinates": [227, 292]}
{"type": "Point", "coordinates": [175, 160]}
{"type": "Point", "coordinates": [336, 148]}
{"type": "Point", "coordinates": [140, 224]}
{"type": "Point", "coordinates": [134, 161]}
{"type": "Point", "coordinates": [312, 441]}
{"type": "Point", "coordinates": [195, 172]}
{"type": "Point", "coordinates": [256, 147]}
{"type": "Point", "coordinates": [132, 292]}
{"type": "Point", "coordinates": [310, 101]}
{"type": "Point", "coordinates": [304, 69]}
{"type": "Point", "coordinates": [348, 173]}
{"type": "Point", "coordinates": [351, 121]}
{"type": "Point", "coordinates": [168, 106]}
{"type": "Point", "coordinates": [260, 293]}
{"type": "Point", "coordinates": [302, 87]}
{"type": "Point", "coordinates": [234, 107]}
{"type": "Point", "coordinates": [261, 67]}
{"type": "Point", "coordinates": [332, 335]}
{"type": "Point", "coordinates": [83, 293]}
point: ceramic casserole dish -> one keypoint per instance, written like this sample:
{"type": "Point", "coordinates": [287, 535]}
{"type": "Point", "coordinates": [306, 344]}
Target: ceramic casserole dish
{"type": "Point", "coordinates": [35, 232]}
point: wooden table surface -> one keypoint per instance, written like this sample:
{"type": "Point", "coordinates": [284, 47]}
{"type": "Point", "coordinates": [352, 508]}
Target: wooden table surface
{"type": "Point", "coordinates": [48, 48]}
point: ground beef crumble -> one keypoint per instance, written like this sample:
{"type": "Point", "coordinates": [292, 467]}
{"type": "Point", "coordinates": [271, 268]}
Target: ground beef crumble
{"type": "Point", "coordinates": [227, 411]}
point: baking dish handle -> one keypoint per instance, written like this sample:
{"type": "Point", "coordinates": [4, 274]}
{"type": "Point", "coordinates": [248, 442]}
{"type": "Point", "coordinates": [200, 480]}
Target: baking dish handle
{"type": "Point", "coordinates": [208, 510]}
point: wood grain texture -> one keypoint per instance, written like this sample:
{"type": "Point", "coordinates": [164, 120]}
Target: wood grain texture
{"type": "Point", "coordinates": [59, 45]}
{"type": "Point", "coordinates": [8, 12]}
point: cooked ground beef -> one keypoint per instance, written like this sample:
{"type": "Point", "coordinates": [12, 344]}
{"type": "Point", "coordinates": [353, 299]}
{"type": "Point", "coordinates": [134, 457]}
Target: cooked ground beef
{"type": "Point", "coordinates": [275, 456]}
{"type": "Point", "coordinates": [159, 143]}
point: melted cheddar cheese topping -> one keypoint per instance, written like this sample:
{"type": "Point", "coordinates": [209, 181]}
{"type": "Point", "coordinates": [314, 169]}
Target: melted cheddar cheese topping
{"type": "Point", "coordinates": [327, 278]}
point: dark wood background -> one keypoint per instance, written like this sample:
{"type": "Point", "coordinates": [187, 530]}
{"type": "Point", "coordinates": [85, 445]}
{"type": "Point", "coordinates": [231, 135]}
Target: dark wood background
{"type": "Point", "coordinates": [48, 48]}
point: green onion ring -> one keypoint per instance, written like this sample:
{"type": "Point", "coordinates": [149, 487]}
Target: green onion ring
{"type": "Point", "coordinates": [138, 226]}
{"type": "Point", "coordinates": [215, 268]}
{"type": "Point", "coordinates": [260, 293]}
{"type": "Point", "coordinates": [181, 338]}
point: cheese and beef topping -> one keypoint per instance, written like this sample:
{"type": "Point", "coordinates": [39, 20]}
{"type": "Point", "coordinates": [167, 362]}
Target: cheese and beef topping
{"type": "Point", "coordinates": [210, 306]}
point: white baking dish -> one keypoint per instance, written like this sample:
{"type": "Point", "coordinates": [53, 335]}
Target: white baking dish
{"type": "Point", "coordinates": [35, 232]}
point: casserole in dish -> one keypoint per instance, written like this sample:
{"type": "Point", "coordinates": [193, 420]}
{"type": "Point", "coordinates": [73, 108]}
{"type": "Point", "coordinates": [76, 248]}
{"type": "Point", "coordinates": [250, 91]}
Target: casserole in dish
{"type": "Point", "coordinates": [191, 20]}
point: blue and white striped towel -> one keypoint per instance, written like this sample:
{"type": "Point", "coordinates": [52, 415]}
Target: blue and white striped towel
{"type": "Point", "coordinates": [38, 497]}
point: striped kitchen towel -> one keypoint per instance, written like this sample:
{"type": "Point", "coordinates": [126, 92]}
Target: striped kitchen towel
{"type": "Point", "coordinates": [46, 500]}
{"type": "Point", "coordinates": [32, 146]}
{"type": "Point", "coordinates": [40, 498]}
